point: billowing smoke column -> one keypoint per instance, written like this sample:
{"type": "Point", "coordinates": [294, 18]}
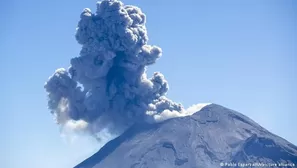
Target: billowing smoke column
{"type": "Point", "coordinates": [107, 86]}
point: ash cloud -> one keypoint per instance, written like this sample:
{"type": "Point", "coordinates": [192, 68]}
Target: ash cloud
{"type": "Point", "coordinates": [106, 86]}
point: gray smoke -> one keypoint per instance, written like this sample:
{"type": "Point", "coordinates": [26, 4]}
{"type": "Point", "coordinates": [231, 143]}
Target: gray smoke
{"type": "Point", "coordinates": [107, 85]}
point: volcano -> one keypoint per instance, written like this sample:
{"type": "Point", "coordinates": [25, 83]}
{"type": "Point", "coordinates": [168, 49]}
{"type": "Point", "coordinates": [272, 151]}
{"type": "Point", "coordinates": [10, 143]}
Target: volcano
{"type": "Point", "coordinates": [213, 137]}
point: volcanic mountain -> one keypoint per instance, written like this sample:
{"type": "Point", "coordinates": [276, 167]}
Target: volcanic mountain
{"type": "Point", "coordinates": [213, 137]}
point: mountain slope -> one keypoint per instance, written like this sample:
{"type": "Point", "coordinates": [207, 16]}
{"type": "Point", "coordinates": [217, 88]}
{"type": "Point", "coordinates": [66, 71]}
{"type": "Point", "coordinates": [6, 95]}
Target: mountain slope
{"type": "Point", "coordinates": [213, 136]}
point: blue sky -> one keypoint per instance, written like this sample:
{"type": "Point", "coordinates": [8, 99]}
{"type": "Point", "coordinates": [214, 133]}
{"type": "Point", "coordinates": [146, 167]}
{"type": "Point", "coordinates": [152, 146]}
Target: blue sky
{"type": "Point", "coordinates": [239, 54]}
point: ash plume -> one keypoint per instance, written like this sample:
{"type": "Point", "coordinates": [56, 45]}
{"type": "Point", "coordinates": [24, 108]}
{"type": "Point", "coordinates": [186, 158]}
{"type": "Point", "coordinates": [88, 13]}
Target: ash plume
{"type": "Point", "coordinates": [106, 86]}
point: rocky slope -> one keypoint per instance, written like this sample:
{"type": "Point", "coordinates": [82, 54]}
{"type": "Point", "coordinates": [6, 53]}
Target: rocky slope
{"type": "Point", "coordinates": [211, 138]}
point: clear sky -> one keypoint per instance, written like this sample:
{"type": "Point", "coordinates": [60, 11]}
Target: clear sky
{"type": "Point", "coordinates": [239, 54]}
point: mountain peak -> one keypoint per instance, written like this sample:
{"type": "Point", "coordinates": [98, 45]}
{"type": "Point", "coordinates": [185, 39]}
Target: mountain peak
{"type": "Point", "coordinates": [212, 136]}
